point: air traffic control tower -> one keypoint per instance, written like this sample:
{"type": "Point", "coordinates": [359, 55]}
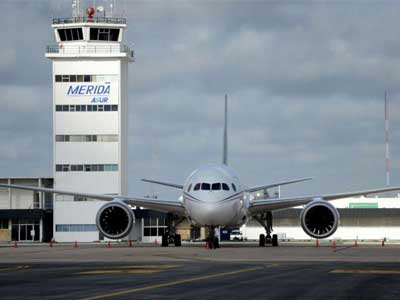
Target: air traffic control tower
{"type": "Point", "coordinates": [90, 102]}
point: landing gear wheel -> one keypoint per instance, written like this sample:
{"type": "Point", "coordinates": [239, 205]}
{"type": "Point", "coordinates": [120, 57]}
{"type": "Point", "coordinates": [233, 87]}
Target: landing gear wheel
{"type": "Point", "coordinates": [177, 240]}
{"type": "Point", "coordinates": [262, 240]}
{"type": "Point", "coordinates": [274, 240]}
{"type": "Point", "coordinates": [216, 243]}
{"type": "Point", "coordinates": [164, 240]}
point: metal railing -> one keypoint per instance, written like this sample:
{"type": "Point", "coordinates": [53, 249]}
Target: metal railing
{"type": "Point", "coordinates": [90, 49]}
{"type": "Point", "coordinates": [89, 20]}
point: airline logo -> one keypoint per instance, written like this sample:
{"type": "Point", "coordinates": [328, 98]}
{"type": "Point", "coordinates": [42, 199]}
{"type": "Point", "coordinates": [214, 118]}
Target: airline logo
{"type": "Point", "coordinates": [100, 92]}
{"type": "Point", "coordinates": [89, 90]}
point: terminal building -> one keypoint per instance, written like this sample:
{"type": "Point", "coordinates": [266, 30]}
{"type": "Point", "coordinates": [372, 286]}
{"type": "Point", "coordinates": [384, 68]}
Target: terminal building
{"type": "Point", "coordinates": [26, 215]}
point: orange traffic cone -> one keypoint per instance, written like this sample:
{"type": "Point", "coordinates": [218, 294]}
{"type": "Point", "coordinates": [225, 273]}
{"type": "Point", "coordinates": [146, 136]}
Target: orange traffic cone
{"type": "Point", "coordinates": [356, 243]}
{"type": "Point", "coordinates": [130, 243]}
{"type": "Point", "coordinates": [75, 244]}
{"type": "Point", "coordinates": [317, 243]}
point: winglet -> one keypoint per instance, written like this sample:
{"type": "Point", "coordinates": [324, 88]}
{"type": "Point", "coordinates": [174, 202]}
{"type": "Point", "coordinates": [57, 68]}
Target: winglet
{"type": "Point", "coordinates": [225, 141]}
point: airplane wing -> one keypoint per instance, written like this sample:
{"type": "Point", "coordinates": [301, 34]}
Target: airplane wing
{"type": "Point", "coordinates": [262, 205]}
{"type": "Point", "coordinates": [178, 186]}
{"type": "Point", "coordinates": [264, 187]}
{"type": "Point", "coordinates": [173, 206]}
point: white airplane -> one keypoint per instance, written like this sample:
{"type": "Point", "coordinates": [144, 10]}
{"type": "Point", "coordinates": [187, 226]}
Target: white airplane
{"type": "Point", "coordinates": [213, 196]}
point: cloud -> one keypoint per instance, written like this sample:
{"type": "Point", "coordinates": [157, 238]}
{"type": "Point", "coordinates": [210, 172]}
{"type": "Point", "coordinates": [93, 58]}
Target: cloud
{"type": "Point", "coordinates": [305, 84]}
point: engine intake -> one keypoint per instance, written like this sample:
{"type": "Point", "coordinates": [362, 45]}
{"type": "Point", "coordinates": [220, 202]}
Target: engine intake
{"type": "Point", "coordinates": [115, 219]}
{"type": "Point", "coordinates": [319, 219]}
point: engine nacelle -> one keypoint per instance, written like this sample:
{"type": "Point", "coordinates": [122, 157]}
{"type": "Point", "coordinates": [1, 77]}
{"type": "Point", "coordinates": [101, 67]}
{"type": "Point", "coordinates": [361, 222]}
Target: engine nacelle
{"type": "Point", "coordinates": [115, 219]}
{"type": "Point", "coordinates": [319, 219]}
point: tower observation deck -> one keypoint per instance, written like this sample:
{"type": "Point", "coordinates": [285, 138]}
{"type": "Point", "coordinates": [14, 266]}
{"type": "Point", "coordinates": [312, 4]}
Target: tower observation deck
{"type": "Point", "coordinates": [90, 103]}
{"type": "Point", "coordinates": [89, 36]}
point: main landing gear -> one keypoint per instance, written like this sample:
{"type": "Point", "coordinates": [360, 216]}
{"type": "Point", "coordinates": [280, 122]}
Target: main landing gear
{"type": "Point", "coordinates": [170, 236]}
{"type": "Point", "coordinates": [265, 220]}
{"type": "Point", "coordinates": [212, 241]}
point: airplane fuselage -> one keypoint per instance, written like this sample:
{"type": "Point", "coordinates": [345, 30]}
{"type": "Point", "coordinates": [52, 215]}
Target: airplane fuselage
{"type": "Point", "coordinates": [213, 196]}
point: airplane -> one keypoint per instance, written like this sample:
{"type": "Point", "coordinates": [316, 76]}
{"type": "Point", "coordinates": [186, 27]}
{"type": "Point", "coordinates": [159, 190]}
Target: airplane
{"type": "Point", "coordinates": [213, 196]}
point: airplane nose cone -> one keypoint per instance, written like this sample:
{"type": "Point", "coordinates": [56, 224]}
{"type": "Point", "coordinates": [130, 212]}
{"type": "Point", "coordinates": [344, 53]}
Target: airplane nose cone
{"type": "Point", "coordinates": [211, 213]}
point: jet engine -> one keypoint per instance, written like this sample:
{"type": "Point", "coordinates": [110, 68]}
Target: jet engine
{"type": "Point", "coordinates": [319, 219]}
{"type": "Point", "coordinates": [115, 219]}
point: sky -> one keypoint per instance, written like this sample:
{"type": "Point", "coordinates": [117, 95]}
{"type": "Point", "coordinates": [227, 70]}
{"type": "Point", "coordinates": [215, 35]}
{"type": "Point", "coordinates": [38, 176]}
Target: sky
{"type": "Point", "coordinates": [305, 81]}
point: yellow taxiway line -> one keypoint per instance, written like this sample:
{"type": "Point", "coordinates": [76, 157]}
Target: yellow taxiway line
{"type": "Point", "coordinates": [366, 271]}
{"type": "Point", "coordinates": [14, 268]}
{"type": "Point", "coordinates": [171, 283]}
{"type": "Point", "coordinates": [130, 269]}
{"type": "Point", "coordinates": [119, 271]}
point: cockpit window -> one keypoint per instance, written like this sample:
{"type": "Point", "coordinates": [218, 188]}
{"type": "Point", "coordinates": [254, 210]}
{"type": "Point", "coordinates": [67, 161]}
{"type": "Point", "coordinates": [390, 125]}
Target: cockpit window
{"type": "Point", "coordinates": [205, 186]}
{"type": "Point", "coordinates": [234, 187]}
{"type": "Point", "coordinates": [197, 187]}
{"type": "Point", "coordinates": [216, 186]}
{"type": "Point", "coordinates": [189, 188]}
{"type": "Point", "coordinates": [225, 187]}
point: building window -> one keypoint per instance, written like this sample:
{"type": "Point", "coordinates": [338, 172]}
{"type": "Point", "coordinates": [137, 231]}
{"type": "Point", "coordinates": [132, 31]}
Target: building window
{"type": "Point", "coordinates": [154, 226]}
{"type": "Point", "coordinates": [87, 138]}
{"type": "Point", "coordinates": [87, 168]}
{"type": "Point", "coordinates": [83, 78]}
{"type": "Point", "coordinates": [36, 200]}
{"type": "Point", "coordinates": [76, 228]}
{"type": "Point", "coordinates": [104, 34]}
{"type": "Point", "coordinates": [70, 34]}
{"type": "Point", "coordinates": [84, 108]}
{"type": "Point", "coordinates": [3, 223]}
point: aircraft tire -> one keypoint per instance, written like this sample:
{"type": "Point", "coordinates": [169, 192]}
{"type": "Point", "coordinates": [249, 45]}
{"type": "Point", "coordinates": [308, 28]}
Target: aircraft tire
{"type": "Point", "coordinates": [261, 241]}
{"type": "Point", "coordinates": [274, 240]}
{"type": "Point", "coordinates": [177, 240]}
{"type": "Point", "coordinates": [164, 240]}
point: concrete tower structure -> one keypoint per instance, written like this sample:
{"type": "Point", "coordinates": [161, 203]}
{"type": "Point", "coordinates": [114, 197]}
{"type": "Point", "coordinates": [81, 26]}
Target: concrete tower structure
{"type": "Point", "coordinates": [90, 103]}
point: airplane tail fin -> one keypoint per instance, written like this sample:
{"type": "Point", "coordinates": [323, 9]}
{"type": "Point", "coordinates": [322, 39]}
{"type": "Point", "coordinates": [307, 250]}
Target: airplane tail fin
{"type": "Point", "coordinates": [225, 141]}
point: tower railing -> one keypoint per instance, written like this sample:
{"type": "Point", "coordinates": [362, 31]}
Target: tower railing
{"type": "Point", "coordinates": [89, 49]}
{"type": "Point", "coordinates": [89, 20]}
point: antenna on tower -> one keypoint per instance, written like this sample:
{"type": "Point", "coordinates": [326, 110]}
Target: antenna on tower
{"type": "Point", "coordinates": [112, 7]}
{"type": "Point", "coordinates": [387, 160]}
{"type": "Point", "coordinates": [76, 8]}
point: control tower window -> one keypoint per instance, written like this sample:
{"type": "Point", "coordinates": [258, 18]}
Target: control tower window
{"type": "Point", "coordinates": [104, 34]}
{"type": "Point", "coordinates": [70, 34]}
